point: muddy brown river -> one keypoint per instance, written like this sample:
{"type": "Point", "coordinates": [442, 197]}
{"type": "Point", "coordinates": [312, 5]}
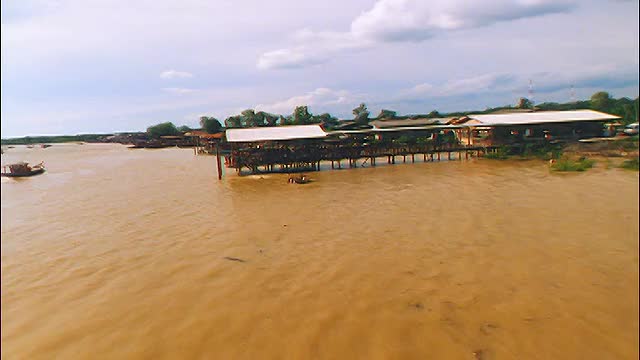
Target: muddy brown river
{"type": "Point", "coordinates": [143, 254]}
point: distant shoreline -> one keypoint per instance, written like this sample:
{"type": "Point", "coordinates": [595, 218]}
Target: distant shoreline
{"type": "Point", "coordinates": [56, 139]}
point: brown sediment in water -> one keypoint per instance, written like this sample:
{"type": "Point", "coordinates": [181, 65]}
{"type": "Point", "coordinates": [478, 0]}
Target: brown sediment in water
{"type": "Point", "coordinates": [121, 254]}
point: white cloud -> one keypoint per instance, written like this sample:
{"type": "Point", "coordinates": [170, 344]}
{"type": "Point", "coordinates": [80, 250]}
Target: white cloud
{"type": "Point", "coordinates": [517, 85]}
{"type": "Point", "coordinates": [288, 58]}
{"type": "Point", "coordinates": [475, 84]}
{"type": "Point", "coordinates": [415, 20]}
{"type": "Point", "coordinates": [320, 99]}
{"type": "Point", "coordinates": [178, 91]}
{"type": "Point", "coordinates": [174, 74]}
{"type": "Point", "coordinates": [405, 20]}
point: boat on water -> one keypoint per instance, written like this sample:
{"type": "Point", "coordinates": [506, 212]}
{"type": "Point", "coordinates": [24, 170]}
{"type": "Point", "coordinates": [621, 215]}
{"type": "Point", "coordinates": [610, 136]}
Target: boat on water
{"type": "Point", "coordinates": [22, 169]}
{"type": "Point", "coordinates": [301, 179]}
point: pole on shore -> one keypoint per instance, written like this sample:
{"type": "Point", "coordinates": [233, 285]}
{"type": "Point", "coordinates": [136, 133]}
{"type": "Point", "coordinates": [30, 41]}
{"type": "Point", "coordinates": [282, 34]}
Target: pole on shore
{"type": "Point", "coordinates": [218, 162]}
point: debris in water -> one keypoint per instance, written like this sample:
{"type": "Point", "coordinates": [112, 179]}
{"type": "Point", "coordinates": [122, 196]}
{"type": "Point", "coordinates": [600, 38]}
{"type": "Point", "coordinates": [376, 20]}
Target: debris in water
{"type": "Point", "coordinates": [487, 328]}
{"type": "Point", "coordinates": [234, 259]}
{"type": "Point", "coordinates": [479, 354]}
{"type": "Point", "coordinates": [417, 305]}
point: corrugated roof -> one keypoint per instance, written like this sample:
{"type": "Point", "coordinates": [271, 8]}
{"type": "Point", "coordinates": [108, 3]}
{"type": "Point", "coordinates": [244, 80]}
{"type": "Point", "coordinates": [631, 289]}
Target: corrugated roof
{"type": "Point", "coordinates": [541, 117]}
{"type": "Point", "coordinates": [383, 124]}
{"type": "Point", "coordinates": [204, 134]}
{"type": "Point", "coordinates": [397, 129]}
{"type": "Point", "coordinates": [275, 133]}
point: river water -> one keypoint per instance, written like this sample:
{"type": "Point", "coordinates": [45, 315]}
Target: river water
{"type": "Point", "coordinates": [127, 254]}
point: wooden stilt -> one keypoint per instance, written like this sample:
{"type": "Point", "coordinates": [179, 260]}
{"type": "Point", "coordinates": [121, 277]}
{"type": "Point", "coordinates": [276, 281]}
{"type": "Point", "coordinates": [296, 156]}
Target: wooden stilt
{"type": "Point", "coordinates": [218, 162]}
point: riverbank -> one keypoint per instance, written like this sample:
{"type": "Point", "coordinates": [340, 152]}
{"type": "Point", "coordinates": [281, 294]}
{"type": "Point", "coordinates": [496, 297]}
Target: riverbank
{"type": "Point", "coordinates": [577, 156]}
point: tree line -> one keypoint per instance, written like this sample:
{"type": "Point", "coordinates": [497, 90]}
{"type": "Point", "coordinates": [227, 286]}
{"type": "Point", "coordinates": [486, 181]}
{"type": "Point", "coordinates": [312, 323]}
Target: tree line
{"type": "Point", "coordinates": [624, 107]}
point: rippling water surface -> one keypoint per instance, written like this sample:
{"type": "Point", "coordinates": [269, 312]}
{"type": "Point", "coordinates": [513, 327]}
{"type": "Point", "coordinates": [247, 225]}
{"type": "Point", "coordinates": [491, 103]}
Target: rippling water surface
{"type": "Point", "coordinates": [118, 253]}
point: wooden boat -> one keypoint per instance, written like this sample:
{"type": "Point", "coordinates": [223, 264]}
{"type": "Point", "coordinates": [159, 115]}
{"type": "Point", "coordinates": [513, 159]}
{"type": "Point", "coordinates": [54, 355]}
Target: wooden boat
{"type": "Point", "coordinates": [301, 179]}
{"type": "Point", "coordinates": [22, 169]}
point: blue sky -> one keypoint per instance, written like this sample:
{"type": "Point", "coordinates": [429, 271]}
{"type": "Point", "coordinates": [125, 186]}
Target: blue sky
{"type": "Point", "coordinates": [113, 65]}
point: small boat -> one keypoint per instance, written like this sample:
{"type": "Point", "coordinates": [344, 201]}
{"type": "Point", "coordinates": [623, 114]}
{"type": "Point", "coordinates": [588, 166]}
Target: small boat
{"type": "Point", "coordinates": [22, 169]}
{"type": "Point", "coordinates": [44, 146]}
{"type": "Point", "coordinates": [301, 179]}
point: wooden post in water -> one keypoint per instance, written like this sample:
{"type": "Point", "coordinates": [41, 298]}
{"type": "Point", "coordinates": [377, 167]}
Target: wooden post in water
{"type": "Point", "coordinates": [218, 162]}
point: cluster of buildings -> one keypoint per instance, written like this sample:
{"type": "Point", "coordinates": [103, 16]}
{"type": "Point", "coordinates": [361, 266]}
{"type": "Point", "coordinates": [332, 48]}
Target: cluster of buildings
{"type": "Point", "coordinates": [293, 147]}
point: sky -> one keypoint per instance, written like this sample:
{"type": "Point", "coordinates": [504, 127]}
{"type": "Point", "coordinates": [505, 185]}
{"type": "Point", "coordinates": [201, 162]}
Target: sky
{"type": "Point", "coordinates": [103, 66]}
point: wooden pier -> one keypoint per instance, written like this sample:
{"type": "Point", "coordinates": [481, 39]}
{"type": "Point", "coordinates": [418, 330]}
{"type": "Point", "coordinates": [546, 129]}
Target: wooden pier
{"type": "Point", "coordinates": [308, 157]}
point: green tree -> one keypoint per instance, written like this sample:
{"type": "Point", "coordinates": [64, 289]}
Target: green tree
{"type": "Point", "coordinates": [326, 120]}
{"type": "Point", "coordinates": [269, 119]}
{"type": "Point", "coordinates": [434, 114]}
{"type": "Point", "coordinates": [251, 119]}
{"type": "Point", "coordinates": [524, 103]}
{"type": "Point", "coordinates": [361, 114]}
{"type": "Point", "coordinates": [233, 121]}
{"type": "Point", "coordinates": [184, 129]}
{"type": "Point", "coordinates": [601, 101]}
{"type": "Point", "coordinates": [163, 129]}
{"type": "Point", "coordinates": [301, 115]}
{"type": "Point", "coordinates": [210, 124]}
{"type": "Point", "coordinates": [387, 114]}
{"type": "Point", "coordinates": [284, 120]}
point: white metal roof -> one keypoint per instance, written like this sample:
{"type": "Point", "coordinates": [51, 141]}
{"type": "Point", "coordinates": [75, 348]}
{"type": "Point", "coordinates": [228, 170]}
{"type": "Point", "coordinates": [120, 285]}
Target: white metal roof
{"type": "Point", "coordinates": [541, 117]}
{"type": "Point", "coordinates": [376, 130]}
{"type": "Point", "coordinates": [275, 133]}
